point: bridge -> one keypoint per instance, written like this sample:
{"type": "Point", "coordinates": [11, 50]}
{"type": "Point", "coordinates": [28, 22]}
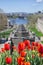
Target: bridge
{"type": "Point", "coordinates": [22, 16]}
{"type": "Point", "coordinates": [17, 15]}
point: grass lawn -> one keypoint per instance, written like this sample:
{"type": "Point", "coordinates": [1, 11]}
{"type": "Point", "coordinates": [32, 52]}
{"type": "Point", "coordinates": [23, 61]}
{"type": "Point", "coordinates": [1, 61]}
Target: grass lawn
{"type": "Point", "coordinates": [36, 31]}
{"type": "Point", "coordinates": [5, 34]}
{"type": "Point", "coordinates": [42, 42]}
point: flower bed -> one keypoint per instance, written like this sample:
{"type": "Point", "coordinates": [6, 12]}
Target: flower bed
{"type": "Point", "coordinates": [25, 54]}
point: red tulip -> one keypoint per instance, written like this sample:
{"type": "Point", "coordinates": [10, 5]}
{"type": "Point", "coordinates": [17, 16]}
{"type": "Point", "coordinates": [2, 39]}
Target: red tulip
{"type": "Point", "coordinates": [7, 46]}
{"type": "Point", "coordinates": [32, 47]}
{"type": "Point", "coordinates": [23, 54]}
{"type": "Point", "coordinates": [27, 63]}
{"type": "Point", "coordinates": [20, 60]}
{"type": "Point", "coordinates": [8, 60]}
{"type": "Point", "coordinates": [33, 43]}
{"type": "Point", "coordinates": [37, 43]}
{"type": "Point", "coordinates": [27, 42]}
{"type": "Point", "coordinates": [40, 49]}
{"type": "Point", "coordinates": [21, 46]}
{"type": "Point", "coordinates": [3, 49]}
{"type": "Point", "coordinates": [0, 51]}
{"type": "Point", "coordinates": [29, 47]}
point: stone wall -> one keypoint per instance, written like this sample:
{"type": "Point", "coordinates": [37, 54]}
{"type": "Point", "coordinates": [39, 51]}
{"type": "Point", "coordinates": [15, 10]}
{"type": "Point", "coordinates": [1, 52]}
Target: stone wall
{"type": "Point", "coordinates": [39, 25]}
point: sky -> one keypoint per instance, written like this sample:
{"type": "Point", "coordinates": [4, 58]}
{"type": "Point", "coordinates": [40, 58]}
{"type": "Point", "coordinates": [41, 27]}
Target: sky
{"type": "Point", "coordinates": [28, 6]}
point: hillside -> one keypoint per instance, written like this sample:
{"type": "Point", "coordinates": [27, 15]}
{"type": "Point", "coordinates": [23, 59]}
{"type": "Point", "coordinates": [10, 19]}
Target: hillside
{"type": "Point", "coordinates": [32, 24]}
{"type": "Point", "coordinates": [3, 21]}
{"type": "Point", "coordinates": [33, 19]}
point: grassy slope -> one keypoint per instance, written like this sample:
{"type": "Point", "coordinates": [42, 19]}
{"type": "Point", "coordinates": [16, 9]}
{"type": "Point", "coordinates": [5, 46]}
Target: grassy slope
{"type": "Point", "coordinates": [3, 21]}
{"type": "Point", "coordinates": [33, 19]}
{"type": "Point", "coordinates": [5, 34]}
{"type": "Point", "coordinates": [36, 32]}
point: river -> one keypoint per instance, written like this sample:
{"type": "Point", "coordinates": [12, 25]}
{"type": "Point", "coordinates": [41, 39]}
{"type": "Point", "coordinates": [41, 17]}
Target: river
{"type": "Point", "coordinates": [18, 21]}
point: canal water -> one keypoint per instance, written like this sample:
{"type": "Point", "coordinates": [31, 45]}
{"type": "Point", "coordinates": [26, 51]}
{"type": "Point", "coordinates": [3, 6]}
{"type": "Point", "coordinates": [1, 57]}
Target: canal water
{"type": "Point", "coordinates": [18, 21]}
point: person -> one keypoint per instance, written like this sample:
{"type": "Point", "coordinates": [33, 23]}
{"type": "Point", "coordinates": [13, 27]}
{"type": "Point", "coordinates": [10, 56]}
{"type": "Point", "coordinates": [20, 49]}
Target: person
{"type": "Point", "coordinates": [11, 45]}
{"type": "Point", "coordinates": [0, 40]}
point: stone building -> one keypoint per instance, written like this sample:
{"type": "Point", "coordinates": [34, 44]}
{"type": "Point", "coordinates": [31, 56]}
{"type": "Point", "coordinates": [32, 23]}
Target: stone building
{"type": "Point", "coordinates": [39, 24]}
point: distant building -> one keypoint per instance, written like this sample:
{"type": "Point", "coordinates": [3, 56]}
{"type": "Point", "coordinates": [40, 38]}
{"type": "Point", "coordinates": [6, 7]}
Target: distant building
{"type": "Point", "coordinates": [39, 24]}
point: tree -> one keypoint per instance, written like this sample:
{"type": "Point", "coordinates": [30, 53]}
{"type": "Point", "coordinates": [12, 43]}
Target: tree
{"type": "Point", "coordinates": [3, 20]}
{"type": "Point", "coordinates": [39, 11]}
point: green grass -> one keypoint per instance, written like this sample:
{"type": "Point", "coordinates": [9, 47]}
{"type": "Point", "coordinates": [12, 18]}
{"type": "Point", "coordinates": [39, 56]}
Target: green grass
{"type": "Point", "coordinates": [33, 20]}
{"type": "Point", "coordinates": [36, 32]}
{"type": "Point", "coordinates": [5, 34]}
{"type": "Point", "coordinates": [42, 42]}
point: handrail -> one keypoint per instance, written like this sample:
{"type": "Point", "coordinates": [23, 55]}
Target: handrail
{"type": "Point", "coordinates": [22, 37]}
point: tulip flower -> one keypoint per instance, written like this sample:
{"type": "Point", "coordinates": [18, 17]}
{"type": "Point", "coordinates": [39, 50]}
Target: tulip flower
{"type": "Point", "coordinates": [7, 46]}
{"type": "Point", "coordinates": [8, 60]}
{"type": "Point", "coordinates": [21, 46]}
{"type": "Point", "coordinates": [20, 60]}
{"type": "Point", "coordinates": [23, 54]}
{"type": "Point", "coordinates": [27, 42]}
{"type": "Point", "coordinates": [3, 49]}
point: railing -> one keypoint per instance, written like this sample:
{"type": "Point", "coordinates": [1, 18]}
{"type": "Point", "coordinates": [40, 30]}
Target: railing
{"type": "Point", "coordinates": [23, 38]}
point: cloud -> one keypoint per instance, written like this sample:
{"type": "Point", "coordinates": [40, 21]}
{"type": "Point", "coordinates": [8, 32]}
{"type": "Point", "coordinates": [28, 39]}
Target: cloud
{"type": "Point", "coordinates": [39, 0]}
{"type": "Point", "coordinates": [38, 3]}
{"type": "Point", "coordinates": [35, 4]}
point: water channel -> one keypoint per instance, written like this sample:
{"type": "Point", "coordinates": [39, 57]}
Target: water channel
{"type": "Point", "coordinates": [17, 21]}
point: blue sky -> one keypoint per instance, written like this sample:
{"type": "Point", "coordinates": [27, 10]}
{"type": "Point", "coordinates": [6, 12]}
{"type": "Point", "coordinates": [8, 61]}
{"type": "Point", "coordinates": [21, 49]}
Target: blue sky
{"type": "Point", "coordinates": [21, 5]}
